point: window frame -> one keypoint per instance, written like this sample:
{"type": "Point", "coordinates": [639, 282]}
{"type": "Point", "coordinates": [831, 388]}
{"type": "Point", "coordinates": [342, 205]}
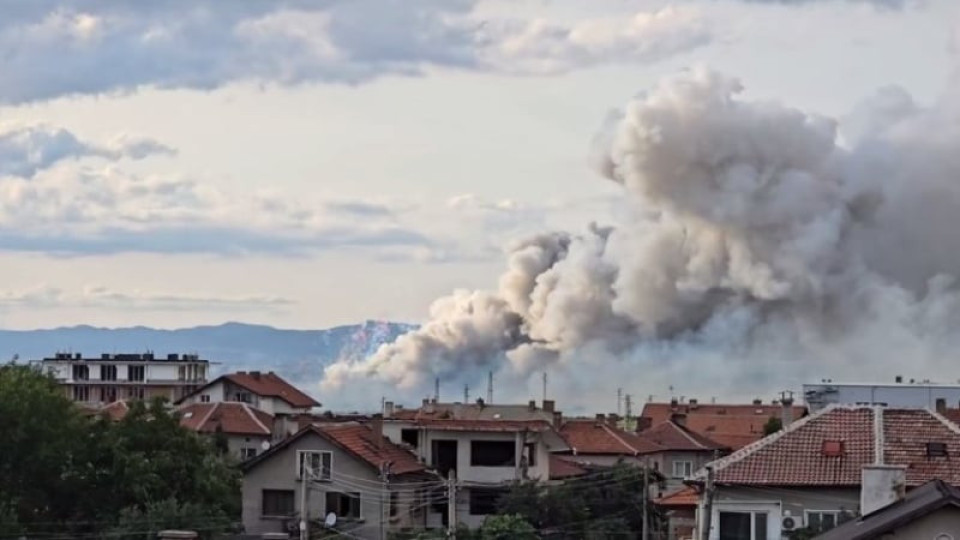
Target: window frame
{"type": "Point", "coordinates": [108, 372]}
{"type": "Point", "coordinates": [248, 452]}
{"type": "Point", "coordinates": [204, 398]}
{"type": "Point", "coordinates": [821, 513]}
{"type": "Point", "coordinates": [348, 495]}
{"type": "Point", "coordinates": [285, 492]}
{"type": "Point", "coordinates": [753, 522]}
{"type": "Point", "coordinates": [329, 469]}
{"type": "Point", "coordinates": [686, 465]}
{"type": "Point", "coordinates": [474, 454]}
{"type": "Point", "coordinates": [141, 373]}
{"type": "Point", "coordinates": [80, 372]}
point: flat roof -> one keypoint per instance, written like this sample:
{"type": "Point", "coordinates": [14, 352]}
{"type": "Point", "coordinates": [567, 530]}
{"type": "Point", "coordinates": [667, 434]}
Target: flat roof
{"type": "Point", "coordinates": [888, 385]}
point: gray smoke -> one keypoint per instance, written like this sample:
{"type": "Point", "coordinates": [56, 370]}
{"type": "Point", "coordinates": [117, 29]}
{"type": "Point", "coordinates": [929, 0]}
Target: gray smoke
{"type": "Point", "coordinates": [762, 248]}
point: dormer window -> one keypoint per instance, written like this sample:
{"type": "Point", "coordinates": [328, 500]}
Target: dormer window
{"type": "Point", "coordinates": [936, 449]}
{"type": "Point", "coordinates": [832, 449]}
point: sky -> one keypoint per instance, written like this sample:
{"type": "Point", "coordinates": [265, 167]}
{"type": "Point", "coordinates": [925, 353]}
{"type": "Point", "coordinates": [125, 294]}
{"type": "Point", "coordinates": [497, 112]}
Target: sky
{"type": "Point", "coordinates": [307, 164]}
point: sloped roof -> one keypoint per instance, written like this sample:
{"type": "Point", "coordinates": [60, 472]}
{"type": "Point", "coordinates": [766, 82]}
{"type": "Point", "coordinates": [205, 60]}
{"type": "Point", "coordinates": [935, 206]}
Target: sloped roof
{"type": "Point", "coordinates": [685, 496]}
{"type": "Point", "coordinates": [794, 457]}
{"type": "Point", "coordinates": [732, 425]}
{"type": "Point", "coordinates": [356, 439]}
{"type": "Point", "coordinates": [267, 384]}
{"type": "Point", "coordinates": [234, 418]}
{"type": "Point", "coordinates": [918, 503]}
{"type": "Point", "coordinates": [670, 436]}
{"type": "Point", "coordinates": [116, 410]}
{"type": "Point", "coordinates": [561, 468]}
{"type": "Point", "coordinates": [596, 437]}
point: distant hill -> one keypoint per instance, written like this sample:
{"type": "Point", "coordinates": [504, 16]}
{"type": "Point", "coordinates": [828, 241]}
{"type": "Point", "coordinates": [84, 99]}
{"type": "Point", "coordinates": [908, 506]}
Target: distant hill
{"type": "Point", "coordinates": [298, 355]}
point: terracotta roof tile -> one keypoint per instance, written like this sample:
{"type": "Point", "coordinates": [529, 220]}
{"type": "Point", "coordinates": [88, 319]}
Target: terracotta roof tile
{"type": "Point", "coordinates": [733, 425]}
{"type": "Point", "coordinates": [794, 456]}
{"type": "Point", "coordinates": [561, 468]}
{"type": "Point", "coordinates": [116, 411]}
{"type": "Point", "coordinates": [360, 440]}
{"type": "Point", "coordinates": [595, 437]}
{"type": "Point", "coordinates": [233, 418]}
{"type": "Point", "coordinates": [670, 436]}
{"type": "Point", "coordinates": [271, 385]}
{"type": "Point", "coordinates": [686, 496]}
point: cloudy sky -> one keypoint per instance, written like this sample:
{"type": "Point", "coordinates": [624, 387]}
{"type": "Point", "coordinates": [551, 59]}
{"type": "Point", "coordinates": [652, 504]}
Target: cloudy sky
{"type": "Point", "coordinates": [311, 163]}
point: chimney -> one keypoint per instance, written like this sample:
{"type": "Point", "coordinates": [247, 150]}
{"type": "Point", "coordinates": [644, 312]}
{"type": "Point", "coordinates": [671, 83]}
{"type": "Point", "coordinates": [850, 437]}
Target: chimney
{"type": "Point", "coordinates": [548, 405]}
{"type": "Point", "coordinates": [643, 423]}
{"type": "Point", "coordinates": [941, 405]}
{"type": "Point", "coordinates": [758, 401]}
{"type": "Point", "coordinates": [255, 375]}
{"type": "Point", "coordinates": [601, 417]}
{"type": "Point", "coordinates": [693, 403]}
{"type": "Point", "coordinates": [532, 405]}
{"type": "Point", "coordinates": [376, 425]}
{"type": "Point", "coordinates": [898, 379]}
{"type": "Point", "coordinates": [613, 419]}
{"type": "Point", "coordinates": [673, 403]}
{"type": "Point", "coordinates": [786, 410]}
{"type": "Point", "coordinates": [880, 486]}
{"type": "Point", "coordinates": [679, 419]}
{"type": "Point", "coordinates": [557, 419]}
{"type": "Point", "coordinates": [388, 409]}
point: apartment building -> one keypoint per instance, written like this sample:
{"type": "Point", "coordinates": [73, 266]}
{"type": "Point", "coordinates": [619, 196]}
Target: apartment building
{"type": "Point", "coordinates": [101, 380]}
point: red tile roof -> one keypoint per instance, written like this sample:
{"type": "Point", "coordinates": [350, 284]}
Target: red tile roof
{"type": "Point", "coordinates": [234, 418]}
{"type": "Point", "coordinates": [596, 437]}
{"type": "Point", "coordinates": [670, 436]}
{"type": "Point", "coordinates": [561, 468]}
{"type": "Point", "coordinates": [732, 425]}
{"type": "Point", "coordinates": [116, 410]}
{"type": "Point", "coordinates": [793, 456]}
{"type": "Point", "coordinates": [270, 385]}
{"type": "Point", "coordinates": [686, 496]}
{"type": "Point", "coordinates": [359, 440]}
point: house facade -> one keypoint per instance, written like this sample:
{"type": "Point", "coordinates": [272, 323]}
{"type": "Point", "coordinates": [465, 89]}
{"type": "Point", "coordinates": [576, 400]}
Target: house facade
{"type": "Point", "coordinates": [825, 469]}
{"type": "Point", "coordinates": [98, 381]}
{"type": "Point", "coordinates": [369, 484]}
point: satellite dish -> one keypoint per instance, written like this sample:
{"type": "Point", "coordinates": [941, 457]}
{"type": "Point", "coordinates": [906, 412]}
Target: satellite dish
{"type": "Point", "coordinates": [265, 445]}
{"type": "Point", "coordinates": [331, 520]}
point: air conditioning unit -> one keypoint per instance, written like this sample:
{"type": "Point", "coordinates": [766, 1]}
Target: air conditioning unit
{"type": "Point", "coordinates": [791, 523]}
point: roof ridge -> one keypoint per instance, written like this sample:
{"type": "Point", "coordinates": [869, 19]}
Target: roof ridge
{"type": "Point", "coordinates": [620, 439]}
{"type": "Point", "coordinates": [748, 450]}
{"type": "Point", "coordinates": [209, 413]}
{"type": "Point", "coordinates": [944, 420]}
{"type": "Point", "coordinates": [683, 431]}
{"type": "Point", "coordinates": [249, 411]}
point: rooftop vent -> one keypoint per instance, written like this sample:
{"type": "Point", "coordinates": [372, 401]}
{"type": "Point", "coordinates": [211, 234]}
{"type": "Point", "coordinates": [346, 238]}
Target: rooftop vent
{"type": "Point", "coordinates": [936, 449]}
{"type": "Point", "coordinates": [832, 449]}
{"type": "Point", "coordinates": [757, 402]}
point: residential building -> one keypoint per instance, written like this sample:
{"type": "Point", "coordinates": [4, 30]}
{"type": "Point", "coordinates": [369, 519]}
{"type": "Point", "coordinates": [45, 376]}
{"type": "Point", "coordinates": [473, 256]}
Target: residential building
{"type": "Point", "coordinates": [680, 452]}
{"type": "Point", "coordinates": [733, 425]}
{"type": "Point", "coordinates": [267, 392]}
{"type": "Point", "coordinates": [371, 485]}
{"type": "Point", "coordinates": [601, 442]}
{"type": "Point", "coordinates": [484, 455]}
{"type": "Point", "coordinates": [837, 463]}
{"type": "Point", "coordinates": [912, 393]}
{"type": "Point", "coordinates": [932, 511]}
{"type": "Point", "coordinates": [246, 430]}
{"type": "Point", "coordinates": [680, 509]}
{"type": "Point", "coordinates": [108, 378]}
{"type": "Point", "coordinates": [479, 410]}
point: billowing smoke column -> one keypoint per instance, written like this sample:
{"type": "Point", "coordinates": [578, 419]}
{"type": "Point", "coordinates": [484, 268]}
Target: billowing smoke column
{"type": "Point", "coordinates": [759, 250]}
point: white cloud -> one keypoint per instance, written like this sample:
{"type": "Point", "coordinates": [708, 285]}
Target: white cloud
{"type": "Point", "coordinates": [53, 49]}
{"type": "Point", "coordinates": [26, 149]}
{"type": "Point", "coordinates": [47, 297]}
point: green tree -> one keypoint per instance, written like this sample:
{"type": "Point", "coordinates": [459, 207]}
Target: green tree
{"type": "Point", "coordinates": [772, 426]}
{"type": "Point", "coordinates": [507, 527]}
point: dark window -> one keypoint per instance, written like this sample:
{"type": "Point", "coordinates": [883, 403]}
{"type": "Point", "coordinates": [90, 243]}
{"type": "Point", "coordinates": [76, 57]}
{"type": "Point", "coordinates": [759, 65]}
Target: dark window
{"type": "Point", "coordinates": [248, 453]}
{"type": "Point", "coordinates": [936, 449]}
{"type": "Point", "coordinates": [108, 394]}
{"type": "Point", "coordinates": [735, 525]}
{"type": "Point", "coordinates": [244, 397]}
{"type": "Point", "coordinates": [205, 398]}
{"type": "Point", "coordinates": [821, 521]}
{"type": "Point", "coordinates": [81, 373]}
{"type": "Point", "coordinates": [760, 526]}
{"type": "Point", "coordinates": [81, 393]}
{"type": "Point", "coordinates": [135, 392]}
{"type": "Point", "coordinates": [135, 373]}
{"type": "Point", "coordinates": [493, 453]}
{"type": "Point", "coordinates": [394, 502]}
{"type": "Point", "coordinates": [483, 501]}
{"type": "Point", "coordinates": [319, 463]}
{"type": "Point", "coordinates": [444, 456]}
{"type": "Point", "coordinates": [410, 436]}
{"type": "Point", "coordinates": [108, 373]}
{"type": "Point", "coordinates": [344, 505]}
{"type": "Point", "coordinates": [277, 502]}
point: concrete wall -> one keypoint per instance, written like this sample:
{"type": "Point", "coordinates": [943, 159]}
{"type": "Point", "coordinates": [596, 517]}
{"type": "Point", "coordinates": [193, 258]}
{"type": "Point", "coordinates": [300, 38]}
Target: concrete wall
{"type": "Point", "coordinates": [943, 521]}
{"type": "Point", "coordinates": [279, 471]}
{"type": "Point", "coordinates": [781, 502]}
{"type": "Point", "coordinates": [237, 442]}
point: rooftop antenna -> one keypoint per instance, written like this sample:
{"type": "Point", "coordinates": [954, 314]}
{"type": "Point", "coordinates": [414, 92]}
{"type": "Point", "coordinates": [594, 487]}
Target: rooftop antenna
{"type": "Point", "coordinates": [436, 389]}
{"type": "Point", "coordinates": [627, 409]}
{"type": "Point", "coordinates": [544, 386]}
{"type": "Point", "coordinates": [466, 393]}
{"type": "Point", "coordinates": [490, 387]}
{"type": "Point", "coordinates": [619, 399]}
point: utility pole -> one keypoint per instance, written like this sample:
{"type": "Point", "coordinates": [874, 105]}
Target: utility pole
{"type": "Point", "coordinates": [452, 505]}
{"type": "Point", "coordinates": [384, 494]}
{"type": "Point", "coordinates": [619, 400]}
{"type": "Point", "coordinates": [627, 410]}
{"type": "Point", "coordinates": [490, 388]}
{"type": "Point", "coordinates": [707, 505]}
{"type": "Point", "coordinates": [304, 492]}
{"type": "Point", "coordinates": [436, 390]}
{"type": "Point", "coordinates": [466, 393]}
{"type": "Point", "coordinates": [544, 386]}
{"type": "Point", "coordinates": [645, 534]}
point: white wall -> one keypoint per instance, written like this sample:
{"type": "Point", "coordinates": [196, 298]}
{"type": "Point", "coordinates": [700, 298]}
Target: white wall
{"type": "Point", "coordinates": [893, 395]}
{"type": "Point", "coordinates": [163, 372]}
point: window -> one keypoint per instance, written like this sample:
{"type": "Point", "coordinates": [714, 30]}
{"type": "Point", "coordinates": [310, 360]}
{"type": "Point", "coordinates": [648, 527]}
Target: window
{"type": "Point", "coordinates": [135, 392]}
{"type": "Point", "coordinates": [81, 373]}
{"type": "Point", "coordinates": [108, 394]}
{"type": "Point", "coordinates": [243, 397]}
{"type": "Point", "coordinates": [277, 502]}
{"type": "Point", "coordinates": [319, 463]}
{"type": "Point", "coordinates": [493, 453]}
{"type": "Point", "coordinates": [820, 521]}
{"type": "Point", "coordinates": [108, 373]}
{"type": "Point", "coordinates": [682, 469]}
{"type": "Point", "coordinates": [248, 453]}
{"type": "Point", "coordinates": [135, 373]}
{"type": "Point", "coordinates": [205, 398]}
{"type": "Point", "coordinates": [81, 393]}
{"type": "Point", "coordinates": [394, 503]}
{"type": "Point", "coordinates": [410, 436]}
{"type": "Point", "coordinates": [344, 505]}
{"type": "Point", "coordinates": [743, 526]}
{"type": "Point", "coordinates": [483, 501]}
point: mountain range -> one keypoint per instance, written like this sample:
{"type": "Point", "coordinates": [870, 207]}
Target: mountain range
{"type": "Point", "coordinates": [297, 355]}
